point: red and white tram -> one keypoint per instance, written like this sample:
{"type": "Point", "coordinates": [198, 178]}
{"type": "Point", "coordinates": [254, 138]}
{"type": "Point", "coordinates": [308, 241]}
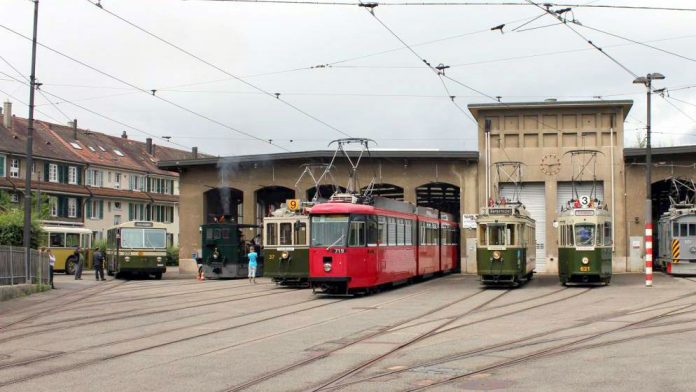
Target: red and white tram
{"type": "Point", "coordinates": [358, 247]}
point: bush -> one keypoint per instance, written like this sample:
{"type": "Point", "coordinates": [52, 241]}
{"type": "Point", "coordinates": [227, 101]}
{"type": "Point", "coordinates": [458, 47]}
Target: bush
{"type": "Point", "coordinates": [101, 244]}
{"type": "Point", "coordinates": [173, 256]}
{"type": "Point", "coordinates": [12, 228]}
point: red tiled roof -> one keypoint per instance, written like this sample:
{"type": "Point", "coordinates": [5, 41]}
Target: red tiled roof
{"type": "Point", "coordinates": [12, 183]}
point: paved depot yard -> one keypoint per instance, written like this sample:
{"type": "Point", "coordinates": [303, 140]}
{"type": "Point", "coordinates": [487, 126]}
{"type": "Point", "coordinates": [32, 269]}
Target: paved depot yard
{"type": "Point", "coordinates": [444, 334]}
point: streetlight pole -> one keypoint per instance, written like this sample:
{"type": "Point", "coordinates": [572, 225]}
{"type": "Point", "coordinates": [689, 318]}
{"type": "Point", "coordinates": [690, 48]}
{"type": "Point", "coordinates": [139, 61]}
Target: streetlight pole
{"type": "Point", "coordinates": [29, 150]}
{"type": "Point", "coordinates": [647, 81]}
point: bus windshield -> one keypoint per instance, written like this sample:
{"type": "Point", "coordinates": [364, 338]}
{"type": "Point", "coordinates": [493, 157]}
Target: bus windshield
{"type": "Point", "coordinates": [584, 234]}
{"type": "Point", "coordinates": [329, 230]}
{"type": "Point", "coordinates": [137, 238]}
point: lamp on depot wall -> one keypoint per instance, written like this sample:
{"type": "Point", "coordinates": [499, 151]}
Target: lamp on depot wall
{"type": "Point", "coordinates": [636, 220]}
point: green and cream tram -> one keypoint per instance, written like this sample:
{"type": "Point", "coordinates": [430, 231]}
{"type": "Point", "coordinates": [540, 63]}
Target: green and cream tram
{"type": "Point", "coordinates": [286, 248]}
{"type": "Point", "coordinates": [137, 248]}
{"type": "Point", "coordinates": [505, 253]}
{"type": "Point", "coordinates": [584, 243]}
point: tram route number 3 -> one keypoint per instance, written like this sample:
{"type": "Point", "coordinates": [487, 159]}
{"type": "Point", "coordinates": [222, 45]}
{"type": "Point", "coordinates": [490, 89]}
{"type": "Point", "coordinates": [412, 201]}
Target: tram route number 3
{"type": "Point", "coordinates": [584, 200]}
{"type": "Point", "coordinates": [293, 204]}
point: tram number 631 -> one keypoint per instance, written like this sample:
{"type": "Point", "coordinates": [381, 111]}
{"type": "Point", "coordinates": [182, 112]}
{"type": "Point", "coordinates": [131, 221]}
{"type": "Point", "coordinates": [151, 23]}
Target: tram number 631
{"type": "Point", "coordinates": [585, 268]}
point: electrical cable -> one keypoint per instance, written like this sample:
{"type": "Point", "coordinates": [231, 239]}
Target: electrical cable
{"type": "Point", "coordinates": [27, 104]}
{"type": "Point", "coordinates": [208, 63]}
{"type": "Point", "coordinates": [172, 103]}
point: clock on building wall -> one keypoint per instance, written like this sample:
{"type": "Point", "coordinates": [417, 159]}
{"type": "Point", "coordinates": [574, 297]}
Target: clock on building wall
{"type": "Point", "coordinates": [550, 165]}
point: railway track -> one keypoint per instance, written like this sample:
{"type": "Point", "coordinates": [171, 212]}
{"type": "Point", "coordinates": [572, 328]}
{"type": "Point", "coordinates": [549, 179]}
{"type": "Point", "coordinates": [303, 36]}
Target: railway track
{"type": "Point", "coordinates": [83, 364]}
{"type": "Point", "coordinates": [286, 369]}
{"type": "Point", "coordinates": [121, 315]}
{"type": "Point", "coordinates": [526, 341]}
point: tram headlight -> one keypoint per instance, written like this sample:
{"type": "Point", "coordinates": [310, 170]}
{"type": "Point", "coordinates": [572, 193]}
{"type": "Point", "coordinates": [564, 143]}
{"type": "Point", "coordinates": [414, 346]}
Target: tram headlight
{"type": "Point", "coordinates": [159, 259]}
{"type": "Point", "coordinates": [284, 255]}
{"type": "Point", "coordinates": [496, 255]}
{"type": "Point", "coordinates": [127, 258]}
{"type": "Point", "coordinates": [215, 256]}
{"type": "Point", "coordinates": [585, 260]}
{"type": "Point", "coordinates": [327, 267]}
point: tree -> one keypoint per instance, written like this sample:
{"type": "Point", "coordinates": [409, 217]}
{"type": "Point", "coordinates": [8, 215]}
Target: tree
{"type": "Point", "coordinates": [12, 222]}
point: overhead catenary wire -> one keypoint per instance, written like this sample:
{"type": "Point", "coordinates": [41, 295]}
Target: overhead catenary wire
{"type": "Point", "coordinates": [27, 104]}
{"type": "Point", "coordinates": [172, 103]}
{"type": "Point", "coordinates": [275, 96]}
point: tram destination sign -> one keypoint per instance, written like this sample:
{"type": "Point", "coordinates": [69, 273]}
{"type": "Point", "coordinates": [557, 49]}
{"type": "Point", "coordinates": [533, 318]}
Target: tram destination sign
{"type": "Point", "coordinates": [500, 211]}
{"type": "Point", "coordinates": [584, 212]}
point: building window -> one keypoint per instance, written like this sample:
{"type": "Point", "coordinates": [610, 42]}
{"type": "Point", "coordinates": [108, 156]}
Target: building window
{"type": "Point", "coordinates": [53, 172]}
{"type": "Point", "coordinates": [94, 209]}
{"type": "Point", "coordinates": [2, 166]}
{"type": "Point", "coordinates": [14, 168]}
{"type": "Point", "coordinates": [137, 183]}
{"type": "Point", "coordinates": [72, 207]}
{"type": "Point", "coordinates": [53, 206]}
{"type": "Point", "coordinates": [95, 178]}
{"type": "Point", "coordinates": [117, 220]}
{"type": "Point", "coordinates": [163, 214]}
{"type": "Point", "coordinates": [136, 212]}
{"type": "Point", "coordinates": [72, 175]}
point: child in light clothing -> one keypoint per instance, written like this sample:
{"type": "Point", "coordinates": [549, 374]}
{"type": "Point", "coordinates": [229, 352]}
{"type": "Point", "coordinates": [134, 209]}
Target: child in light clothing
{"type": "Point", "coordinates": [252, 265]}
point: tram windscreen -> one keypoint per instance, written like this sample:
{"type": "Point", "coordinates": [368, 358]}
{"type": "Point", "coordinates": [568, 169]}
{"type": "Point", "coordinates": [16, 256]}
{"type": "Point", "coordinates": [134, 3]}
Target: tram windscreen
{"type": "Point", "coordinates": [143, 238]}
{"type": "Point", "coordinates": [329, 230]}
{"type": "Point", "coordinates": [496, 234]}
{"type": "Point", "coordinates": [584, 234]}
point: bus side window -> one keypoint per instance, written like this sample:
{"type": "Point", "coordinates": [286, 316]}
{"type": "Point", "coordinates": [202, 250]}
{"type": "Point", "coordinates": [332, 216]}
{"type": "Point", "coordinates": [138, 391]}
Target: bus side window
{"type": "Point", "coordinates": [72, 240]}
{"type": "Point", "coordinates": [57, 240]}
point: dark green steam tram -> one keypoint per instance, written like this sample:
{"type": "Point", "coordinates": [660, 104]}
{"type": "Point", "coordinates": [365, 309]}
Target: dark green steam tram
{"type": "Point", "coordinates": [584, 243]}
{"type": "Point", "coordinates": [505, 253]}
{"type": "Point", "coordinates": [224, 251]}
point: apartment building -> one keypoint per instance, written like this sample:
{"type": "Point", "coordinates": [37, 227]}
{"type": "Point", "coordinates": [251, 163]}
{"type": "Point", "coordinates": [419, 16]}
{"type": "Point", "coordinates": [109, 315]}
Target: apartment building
{"type": "Point", "coordinates": [92, 179]}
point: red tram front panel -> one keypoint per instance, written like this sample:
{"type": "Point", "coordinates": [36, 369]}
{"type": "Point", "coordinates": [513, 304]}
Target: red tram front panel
{"type": "Point", "coordinates": [449, 248]}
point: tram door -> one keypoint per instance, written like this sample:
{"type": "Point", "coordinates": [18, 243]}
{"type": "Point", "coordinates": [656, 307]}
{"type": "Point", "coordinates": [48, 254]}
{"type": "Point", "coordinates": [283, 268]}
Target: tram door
{"type": "Point", "coordinates": [533, 196]}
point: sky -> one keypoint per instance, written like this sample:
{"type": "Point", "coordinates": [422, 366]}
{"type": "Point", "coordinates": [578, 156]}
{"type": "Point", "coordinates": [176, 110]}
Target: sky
{"type": "Point", "coordinates": [391, 97]}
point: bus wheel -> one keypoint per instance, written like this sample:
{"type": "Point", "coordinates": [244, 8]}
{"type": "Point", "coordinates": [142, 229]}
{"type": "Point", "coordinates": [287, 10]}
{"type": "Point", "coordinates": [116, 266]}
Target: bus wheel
{"type": "Point", "coordinates": [70, 266]}
{"type": "Point", "coordinates": [158, 276]}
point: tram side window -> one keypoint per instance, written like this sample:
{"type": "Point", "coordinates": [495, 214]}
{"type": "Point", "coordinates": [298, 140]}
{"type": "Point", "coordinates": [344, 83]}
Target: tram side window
{"type": "Point", "coordinates": [683, 230]}
{"type": "Point", "coordinates": [209, 234]}
{"type": "Point", "coordinates": [675, 229]}
{"type": "Point", "coordinates": [482, 235]}
{"type": "Point", "coordinates": [496, 235]}
{"type": "Point", "coordinates": [286, 233]}
{"type": "Point", "coordinates": [57, 240]}
{"type": "Point", "coordinates": [408, 232]}
{"type": "Point", "coordinates": [692, 229]}
{"type": "Point", "coordinates": [391, 231]}
{"type": "Point", "coordinates": [271, 234]}
{"type": "Point", "coordinates": [400, 232]}
{"type": "Point", "coordinates": [382, 230]}
{"type": "Point", "coordinates": [607, 233]}
{"type": "Point", "coordinates": [372, 231]}
{"type": "Point", "coordinates": [512, 234]}
{"type": "Point", "coordinates": [300, 233]}
{"type": "Point", "coordinates": [357, 234]}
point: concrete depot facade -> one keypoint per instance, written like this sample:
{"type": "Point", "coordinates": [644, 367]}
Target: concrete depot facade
{"type": "Point", "coordinates": [538, 134]}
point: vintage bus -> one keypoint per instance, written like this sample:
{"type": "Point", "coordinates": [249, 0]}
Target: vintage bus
{"type": "Point", "coordinates": [63, 240]}
{"type": "Point", "coordinates": [137, 248]}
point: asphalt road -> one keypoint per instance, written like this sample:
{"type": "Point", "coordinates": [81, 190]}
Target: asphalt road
{"type": "Point", "coordinates": [444, 334]}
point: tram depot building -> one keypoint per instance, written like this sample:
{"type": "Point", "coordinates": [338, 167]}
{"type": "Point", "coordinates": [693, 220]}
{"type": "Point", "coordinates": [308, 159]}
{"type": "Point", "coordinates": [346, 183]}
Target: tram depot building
{"type": "Point", "coordinates": [538, 134]}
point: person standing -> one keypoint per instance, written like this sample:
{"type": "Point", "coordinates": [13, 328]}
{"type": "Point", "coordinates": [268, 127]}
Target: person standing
{"type": "Point", "coordinates": [80, 263]}
{"type": "Point", "coordinates": [98, 261]}
{"type": "Point", "coordinates": [252, 264]}
{"type": "Point", "coordinates": [51, 265]}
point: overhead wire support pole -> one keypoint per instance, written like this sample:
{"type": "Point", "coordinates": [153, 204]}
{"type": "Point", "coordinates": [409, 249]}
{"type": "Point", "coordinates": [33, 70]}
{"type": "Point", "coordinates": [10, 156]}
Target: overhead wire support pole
{"type": "Point", "coordinates": [29, 150]}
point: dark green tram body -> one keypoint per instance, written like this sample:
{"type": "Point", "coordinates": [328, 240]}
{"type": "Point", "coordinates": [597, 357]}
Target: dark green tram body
{"type": "Point", "coordinates": [136, 248]}
{"type": "Point", "coordinates": [585, 245]}
{"type": "Point", "coordinates": [505, 253]}
{"type": "Point", "coordinates": [286, 250]}
{"type": "Point", "coordinates": [224, 251]}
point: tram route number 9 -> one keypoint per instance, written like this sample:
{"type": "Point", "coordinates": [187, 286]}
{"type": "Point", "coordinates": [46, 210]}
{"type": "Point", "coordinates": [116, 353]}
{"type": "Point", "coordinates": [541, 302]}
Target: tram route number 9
{"type": "Point", "coordinates": [584, 200]}
{"type": "Point", "coordinates": [293, 204]}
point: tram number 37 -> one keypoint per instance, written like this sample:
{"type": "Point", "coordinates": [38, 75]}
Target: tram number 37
{"type": "Point", "coordinates": [585, 268]}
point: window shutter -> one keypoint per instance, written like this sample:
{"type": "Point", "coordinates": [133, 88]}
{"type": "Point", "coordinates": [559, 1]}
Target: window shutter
{"type": "Point", "coordinates": [101, 179]}
{"type": "Point", "coordinates": [63, 206]}
{"type": "Point", "coordinates": [62, 178]}
{"type": "Point", "coordinates": [46, 171]}
{"type": "Point", "coordinates": [89, 177]}
{"type": "Point", "coordinates": [130, 211]}
{"type": "Point", "coordinates": [88, 208]}
{"type": "Point", "coordinates": [101, 209]}
{"type": "Point", "coordinates": [171, 187]}
{"type": "Point", "coordinates": [130, 182]}
{"type": "Point", "coordinates": [79, 207]}
{"type": "Point", "coordinates": [79, 175]}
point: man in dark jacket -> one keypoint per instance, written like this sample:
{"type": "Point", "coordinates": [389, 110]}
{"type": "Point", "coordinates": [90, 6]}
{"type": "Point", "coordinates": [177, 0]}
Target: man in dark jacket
{"type": "Point", "coordinates": [98, 261]}
{"type": "Point", "coordinates": [80, 263]}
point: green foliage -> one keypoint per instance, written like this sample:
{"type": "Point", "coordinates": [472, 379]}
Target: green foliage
{"type": "Point", "coordinates": [12, 222]}
{"type": "Point", "coordinates": [101, 244]}
{"type": "Point", "coordinates": [173, 255]}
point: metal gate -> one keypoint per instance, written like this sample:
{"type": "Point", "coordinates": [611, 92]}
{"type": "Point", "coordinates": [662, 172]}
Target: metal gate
{"type": "Point", "coordinates": [565, 192]}
{"type": "Point", "coordinates": [533, 196]}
